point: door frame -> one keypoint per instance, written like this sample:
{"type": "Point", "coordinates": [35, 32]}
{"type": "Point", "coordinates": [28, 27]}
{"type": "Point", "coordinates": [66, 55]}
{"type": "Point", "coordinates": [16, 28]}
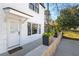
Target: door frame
{"type": "Point", "coordinates": [19, 19]}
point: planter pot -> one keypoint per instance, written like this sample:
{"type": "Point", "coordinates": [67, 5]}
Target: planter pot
{"type": "Point", "coordinates": [46, 40]}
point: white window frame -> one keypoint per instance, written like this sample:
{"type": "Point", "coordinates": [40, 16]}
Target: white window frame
{"type": "Point", "coordinates": [31, 28]}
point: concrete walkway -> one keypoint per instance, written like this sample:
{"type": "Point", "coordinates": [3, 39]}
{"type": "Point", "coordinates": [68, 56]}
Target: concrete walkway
{"type": "Point", "coordinates": [37, 51]}
{"type": "Point", "coordinates": [68, 48]}
{"type": "Point", "coordinates": [26, 48]}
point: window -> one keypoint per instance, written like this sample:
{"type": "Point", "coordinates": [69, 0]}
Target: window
{"type": "Point", "coordinates": [34, 6]}
{"type": "Point", "coordinates": [39, 29]}
{"type": "Point", "coordinates": [34, 28]}
{"type": "Point", "coordinates": [37, 7]}
{"type": "Point", "coordinates": [29, 28]}
{"type": "Point", "coordinates": [31, 6]}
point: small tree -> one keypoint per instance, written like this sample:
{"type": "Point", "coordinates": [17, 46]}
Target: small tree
{"type": "Point", "coordinates": [69, 18]}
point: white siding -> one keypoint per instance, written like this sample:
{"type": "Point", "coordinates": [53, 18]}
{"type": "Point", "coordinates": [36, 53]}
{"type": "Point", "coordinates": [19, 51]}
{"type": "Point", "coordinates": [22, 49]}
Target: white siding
{"type": "Point", "coordinates": [3, 36]}
{"type": "Point", "coordinates": [24, 38]}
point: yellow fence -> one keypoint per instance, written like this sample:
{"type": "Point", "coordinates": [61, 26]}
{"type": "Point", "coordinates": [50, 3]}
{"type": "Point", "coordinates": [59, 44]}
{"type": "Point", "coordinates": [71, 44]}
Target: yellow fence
{"type": "Point", "coordinates": [52, 48]}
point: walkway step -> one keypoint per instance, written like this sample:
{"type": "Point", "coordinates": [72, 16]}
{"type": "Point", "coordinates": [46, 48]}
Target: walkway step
{"type": "Point", "coordinates": [37, 51]}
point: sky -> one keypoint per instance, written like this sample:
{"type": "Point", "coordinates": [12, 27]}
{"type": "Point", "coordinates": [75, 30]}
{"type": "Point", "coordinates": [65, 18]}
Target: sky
{"type": "Point", "coordinates": [56, 11]}
{"type": "Point", "coordinates": [53, 11]}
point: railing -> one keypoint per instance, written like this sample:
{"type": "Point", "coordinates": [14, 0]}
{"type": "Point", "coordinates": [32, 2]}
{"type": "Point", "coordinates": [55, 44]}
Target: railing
{"type": "Point", "coordinates": [52, 48]}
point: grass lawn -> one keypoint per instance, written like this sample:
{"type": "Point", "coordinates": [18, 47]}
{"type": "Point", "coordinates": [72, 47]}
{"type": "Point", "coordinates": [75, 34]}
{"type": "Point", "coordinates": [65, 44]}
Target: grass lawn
{"type": "Point", "coordinates": [71, 34]}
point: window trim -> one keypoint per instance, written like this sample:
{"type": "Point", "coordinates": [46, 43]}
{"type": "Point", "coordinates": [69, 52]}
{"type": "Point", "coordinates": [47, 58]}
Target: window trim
{"type": "Point", "coordinates": [38, 28]}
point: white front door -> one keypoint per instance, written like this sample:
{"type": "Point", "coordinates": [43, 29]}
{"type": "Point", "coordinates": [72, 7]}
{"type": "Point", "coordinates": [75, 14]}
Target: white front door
{"type": "Point", "coordinates": [13, 33]}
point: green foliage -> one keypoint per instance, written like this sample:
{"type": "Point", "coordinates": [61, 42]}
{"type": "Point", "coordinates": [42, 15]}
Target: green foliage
{"type": "Point", "coordinates": [68, 18]}
{"type": "Point", "coordinates": [49, 34]}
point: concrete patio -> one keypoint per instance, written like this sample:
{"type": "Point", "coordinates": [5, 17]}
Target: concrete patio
{"type": "Point", "coordinates": [26, 48]}
{"type": "Point", "coordinates": [35, 48]}
{"type": "Point", "coordinates": [37, 51]}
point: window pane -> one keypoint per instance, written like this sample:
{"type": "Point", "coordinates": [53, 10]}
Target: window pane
{"type": "Point", "coordinates": [34, 28]}
{"type": "Point", "coordinates": [36, 7]}
{"type": "Point", "coordinates": [29, 28]}
{"type": "Point", "coordinates": [37, 10]}
{"type": "Point", "coordinates": [31, 6]}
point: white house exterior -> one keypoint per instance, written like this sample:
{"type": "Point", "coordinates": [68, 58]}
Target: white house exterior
{"type": "Point", "coordinates": [20, 24]}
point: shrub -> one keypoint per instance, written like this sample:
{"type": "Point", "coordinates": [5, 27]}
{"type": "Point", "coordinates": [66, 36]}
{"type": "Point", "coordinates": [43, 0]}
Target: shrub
{"type": "Point", "coordinates": [49, 34]}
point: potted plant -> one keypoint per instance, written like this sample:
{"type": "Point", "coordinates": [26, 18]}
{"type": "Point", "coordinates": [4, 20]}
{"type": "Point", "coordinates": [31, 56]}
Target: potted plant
{"type": "Point", "coordinates": [47, 38]}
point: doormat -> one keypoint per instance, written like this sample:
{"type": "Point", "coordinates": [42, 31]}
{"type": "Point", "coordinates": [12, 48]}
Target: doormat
{"type": "Point", "coordinates": [14, 50]}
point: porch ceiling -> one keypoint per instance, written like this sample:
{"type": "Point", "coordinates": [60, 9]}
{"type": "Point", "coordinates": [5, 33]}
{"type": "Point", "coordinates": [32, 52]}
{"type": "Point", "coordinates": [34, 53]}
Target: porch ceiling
{"type": "Point", "coordinates": [16, 14]}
